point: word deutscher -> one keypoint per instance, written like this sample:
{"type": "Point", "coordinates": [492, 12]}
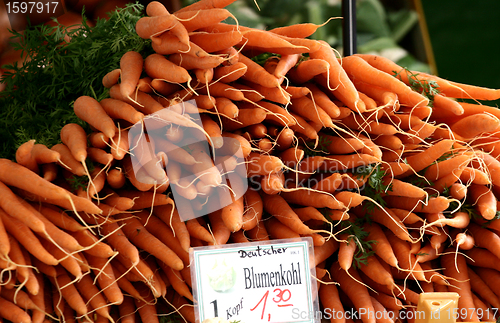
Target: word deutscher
{"type": "Point", "coordinates": [259, 252]}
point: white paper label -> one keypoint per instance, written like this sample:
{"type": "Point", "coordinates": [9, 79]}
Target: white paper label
{"type": "Point", "coordinates": [255, 282]}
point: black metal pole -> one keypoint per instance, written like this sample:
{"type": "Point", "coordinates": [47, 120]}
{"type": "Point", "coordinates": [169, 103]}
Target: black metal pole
{"type": "Point", "coordinates": [349, 26]}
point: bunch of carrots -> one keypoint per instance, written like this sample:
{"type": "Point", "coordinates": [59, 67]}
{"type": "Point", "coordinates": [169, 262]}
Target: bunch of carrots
{"type": "Point", "coordinates": [394, 178]}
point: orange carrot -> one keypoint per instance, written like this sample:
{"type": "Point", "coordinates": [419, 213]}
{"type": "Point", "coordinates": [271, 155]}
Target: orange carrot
{"type": "Point", "coordinates": [382, 96]}
{"type": "Point", "coordinates": [111, 78]}
{"type": "Point", "coordinates": [216, 41]}
{"type": "Point", "coordinates": [325, 251]}
{"type": "Point", "coordinates": [485, 238]}
{"type": "Point", "coordinates": [291, 156]}
{"type": "Point", "coordinates": [90, 110]}
{"type": "Point", "coordinates": [190, 62]}
{"type": "Point", "coordinates": [308, 197]}
{"type": "Point", "coordinates": [156, 8]}
{"type": "Point", "coordinates": [165, 234]}
{"type": "Point", "coordinates": [91, 293]}
{"type": "Point", "coordinates": [232, 214]}
{"type": "Point", "coordinates": [274, 94]}
{"type": "Point", "coordinates": [127, 310]}
{"type": "Point", "coordinates": [432, 205]}
{"type": "Point", "coordinates": [306, 108]}
{"type": "Point", "coordinates": [483, 200]}
{"type": "Point", "coordinates": [456, 268]}
{"type": "Point", "coordinates": [330, 299]}
{"type": "Point", "coordinates": [141, 181]}
{"type": "Point", "coordinates": [423, 159]}
{"type": "Point", "coordinates": [307, 167]}
{"type": "Point", "coordinates": [472, 175]}
{"type": "Point", "coordinates": [131, 65]}
{"type": "Point", "coordinates": [220, 231]}
{"type": "Point", "coordinates": [285, 63]}
{"type": "Point", "coordinates": [146, 305]}
{"type": "Point", "coordinates": [238, 142]}
{"type": "Point", "coordinates": [68, 161]}
{"type": "Point", "coordinates": [355, 291]}
{"type": "Point", "coordinates": [322, 99]}
{"type": "Point", "coordinates": [474, 125]}
{"type": "Point", "coordinates": [246, 117]}
{"type": "Point", "coordinates": [96, 248]}
{"type": "Point", "coordinates": [24, 155]}
{"type": "Point", "coordinates": [388, 219]}
{"type": "Point", "coordinates": [273, 183]}
{"type": "Point", "coordinates": [306, 70]}
{"type": "Point", "coordinates": [205, 4]}
{"type": "Point", "coordinates": [18, 297]}
{"type": "Point", "coordinates": [464, 241]}
{"type": "Point", "coordinates": [141, 101]}
{"type": "Point", "coordinates": [118, 109]}
{"type": "Point", "coordinates": [401, 188]}
{"type": "Point", "coordinates": [98, 140]}
{"type": "Point", "coordinates": [50, 171]}
{"type": "Point", "coordinates": [148, 27]}
{"type": "Point", "coordinates": [459, 220]}
{"type": "Point", "coordinates": [13, 207]}
{"type": "Point", "coordinates": [377, 271]}
{"type": "Point", "coordinates": [311, 213]}
{"type": "Point", "coordinates": [278, 207]}
{"type": "Point", "coordinates": [230, 73]}
{"type": "Point", "coordinates": [350, 199]}
{"type": "Point", "coordinates": [254, 209]}
{"type": "Point", "coordinates": [74, 136]}
{"type": "Point", "coordinates": [359, 68]}
{"type": "Point", "coordinates": [445, 167]}
{"type": "Point", "coordinates": [140, 237]}
{"type": "Point", "coordinates": [347, 249]}
{"type": "Point", "coordinates": [372, 127]}
{"type": "Point", "coordinates": [117, 239]}
{"type": "Point", "coordinates": [406, 216]}
{"type": "Point", "coordinates": [382, 247]}
{"type": "Point", "coordinates": [178, 283]}
{"type": "Point", "coordinates": [302, 127]}
{"type": "Point", "coordinates": [59, 236]}
{"type": "Point", "coordinates": [344, 162]}
{"type": "Point", "coordinates": [480, 287]}
{"type": "Point", "coordinates": [70, 293]}
{"type": "Point", "coordinates": [442, 102]}
{"type": "Point", "coordinates": [198, 19]}
{"type": "Point", "coordinates": [259, 164]}
{"type": "Point", "coordinates": [196, 230]}
{"type": "Point", "coordinates": [32, 183]}
{"type": "Point", "coordinates": [159, 67]}
{"type": "Point", "coordinates": [278, 230]}
{"type": "Point", "coordinates": [301, 30]}
{"type": "Point", "coordinates": [406, 259]}
{"type": "Point", "coordinates": [337, 79]}
{"type": "Point", "coordinates": [257, 74]}
{"type": "Point", "coordinates": [13, 312]}
{"type": "Point", "coordinates": [115, 178]}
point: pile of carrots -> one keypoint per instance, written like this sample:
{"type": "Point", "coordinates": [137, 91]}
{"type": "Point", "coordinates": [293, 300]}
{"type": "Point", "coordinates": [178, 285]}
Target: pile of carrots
{"type": "Point", "coordinates": [394, 178]}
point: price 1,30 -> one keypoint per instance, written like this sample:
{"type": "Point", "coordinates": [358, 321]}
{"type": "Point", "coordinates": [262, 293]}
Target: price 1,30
{"type": "Point", "coordinates": [281, 296]}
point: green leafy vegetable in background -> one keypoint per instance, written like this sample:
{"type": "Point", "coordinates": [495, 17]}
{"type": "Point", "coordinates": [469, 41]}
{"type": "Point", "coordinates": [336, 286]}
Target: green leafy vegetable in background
{"type": "Point", "coordinates": [61, 64]}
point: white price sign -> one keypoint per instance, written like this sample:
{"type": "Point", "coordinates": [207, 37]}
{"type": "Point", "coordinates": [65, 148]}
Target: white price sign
{"type": "Point", "coordinates": [269, 281]}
